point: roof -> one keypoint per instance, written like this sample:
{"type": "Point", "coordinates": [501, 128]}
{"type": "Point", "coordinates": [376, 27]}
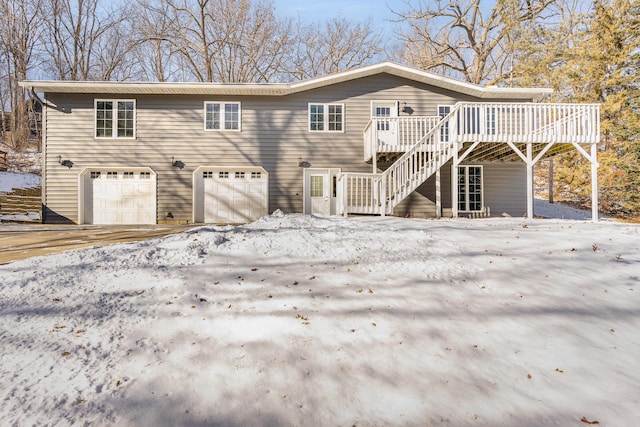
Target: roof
{"type": "Point", "coordinates": [281, 89]}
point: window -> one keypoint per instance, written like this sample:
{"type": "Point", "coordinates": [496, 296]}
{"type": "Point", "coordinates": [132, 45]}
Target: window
{"type": "Point", "coordinates": [207, 174]}
{"type": "Point", "coordinates": [469, 188]}
{"type": "Point", "coordinates": [443, 111]}
{"type": "Point", "coordinates": [112, 175]}
{"type": "Point", "coordinates": [127, 175]}
{"type": "Point", "coordinates": [382, 112]}
{"type": "Point", "coordinates": [115, 118]}
{"type": "Point", "coordinates": [222, 116]}
{"type": "Point", "coordinates": [256, 175]}
{"type": "Point", "coordinates": [95, 175]}
{"type": "Point", "coordinates": [239, 175]}
{"type": "Point", "coordinates": [326, 117]}
{"type": "Point", "coordinates": [223, 175]}
{"type": "Point", "coordinates": [317, 186]}
{"type": "Point", "coordinates": [145, 175]}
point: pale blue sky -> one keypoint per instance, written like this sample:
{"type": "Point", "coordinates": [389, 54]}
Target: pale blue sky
{"type": "Point", "coordinates": [377, 11]}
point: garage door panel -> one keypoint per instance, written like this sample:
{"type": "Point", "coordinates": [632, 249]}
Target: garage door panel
{"type": "Point", "coordinates": [121, 197]}
{"type": "Point", "coordinates": [234, 196]}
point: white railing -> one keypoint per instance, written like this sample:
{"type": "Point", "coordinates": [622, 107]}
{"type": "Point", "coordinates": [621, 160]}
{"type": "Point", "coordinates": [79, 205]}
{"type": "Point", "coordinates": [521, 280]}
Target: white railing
{"type": "Point", "coordinates": [467, 122]}
{"type": "Point", "coordinates": [358, 193]}
{"type": "Point", "coordinates": [395, 134]}
{"type": "Point", "coordinates": [490, 122]}
{"type": "Point", "coordinates": [528, 122]}
{"type": "Point", "coordinates": [379, 193]}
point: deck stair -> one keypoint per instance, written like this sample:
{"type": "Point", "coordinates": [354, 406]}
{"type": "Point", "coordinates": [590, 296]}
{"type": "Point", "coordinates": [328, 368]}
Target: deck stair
{"type": "Point", "coordinates": [440, 141]}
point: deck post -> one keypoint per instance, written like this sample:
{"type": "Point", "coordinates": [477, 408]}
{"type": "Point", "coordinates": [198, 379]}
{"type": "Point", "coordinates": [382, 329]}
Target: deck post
{"type": "Point", "coordinates": [454, 183]}
{"type": "Point", "coordinates": [438, 195]}
{"type": "Point", "coordinates": [594, 182]}
{"type": "Point", "coordinates": [529, 181]}
{"type": "Point", "coordinates": [383, 196]}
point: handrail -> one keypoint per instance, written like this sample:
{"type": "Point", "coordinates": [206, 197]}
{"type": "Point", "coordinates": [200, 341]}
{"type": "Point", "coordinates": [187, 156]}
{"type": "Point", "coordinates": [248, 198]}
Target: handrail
{"type": "Point", "coordinates": [395, 134]}
{"type": "Point", "coordinates": [466, 122]}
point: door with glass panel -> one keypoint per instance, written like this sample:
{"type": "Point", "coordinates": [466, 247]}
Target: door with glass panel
{"type": "Point", "coordinates": [386, 113]}
{"type": "Point", "coordinates": [470, 188]}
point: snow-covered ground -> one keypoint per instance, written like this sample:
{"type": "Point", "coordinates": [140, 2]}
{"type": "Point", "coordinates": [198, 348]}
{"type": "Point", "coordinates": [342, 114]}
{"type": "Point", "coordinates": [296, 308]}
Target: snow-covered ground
{"type": "Point", "coordinates": [10, 180]}
{"type": "Point", "coordinates": [297, 320]}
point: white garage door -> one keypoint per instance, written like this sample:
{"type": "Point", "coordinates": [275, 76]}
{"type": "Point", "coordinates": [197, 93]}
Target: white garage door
{"type": "Point", "coordinates": [235, 196]}
{"type": "Point", "coordinates": [121, 197]}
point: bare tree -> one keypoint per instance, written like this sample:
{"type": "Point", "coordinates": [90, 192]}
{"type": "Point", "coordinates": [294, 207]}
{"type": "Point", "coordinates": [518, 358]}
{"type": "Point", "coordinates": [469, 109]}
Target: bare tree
{"type": "Point", "coordinates": [19, 34]}
{"type": "Point", "coordinates": [215, 40]}
{"type": "Point", "coordinates": [464, 38]}
{"type": "Point", "coordinates": [155, 54]}
{"type": "Point", "coordinates": [335, 45]}
{"type": "Point", "coordinates": [254, 51]}
{"type": "Point", "coordinates": [85, 41]}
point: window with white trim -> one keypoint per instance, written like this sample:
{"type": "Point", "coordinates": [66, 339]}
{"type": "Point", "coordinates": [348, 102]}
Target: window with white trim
{"type": "Point", "coordinates": [115, 118]}
{"type": "Point", "coordinates": [222, 116]}
{"type": "Point", "coordinates": [443, 111]}
{"type": "Point", "coordinates": [469, 188]}
{"type": "Point", "coordinates": [326, 117]}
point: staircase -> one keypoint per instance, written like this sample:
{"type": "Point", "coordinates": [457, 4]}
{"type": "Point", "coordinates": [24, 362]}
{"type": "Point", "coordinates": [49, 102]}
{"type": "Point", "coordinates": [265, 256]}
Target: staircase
{"type": "Point", "coordinates": [493, 123]}
{"type": "Point", "coordinates": [379, 193]}
{"type": "Point", "coordinates": [21, 201]}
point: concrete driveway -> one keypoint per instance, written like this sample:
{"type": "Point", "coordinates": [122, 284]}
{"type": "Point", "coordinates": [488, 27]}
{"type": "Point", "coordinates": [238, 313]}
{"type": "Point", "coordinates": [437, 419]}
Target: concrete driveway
{"type": "Point", "coordinates": [20, 241]}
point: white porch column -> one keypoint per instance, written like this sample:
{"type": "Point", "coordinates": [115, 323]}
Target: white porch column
{"type": "Point", "coordinates": [438, 195]}
{"type": "Point", "coordinates": [594, 182]}
{"type": "Point", "coordinates": [529, 181]}
{"type": "Point", "coordinates": [454, 182]}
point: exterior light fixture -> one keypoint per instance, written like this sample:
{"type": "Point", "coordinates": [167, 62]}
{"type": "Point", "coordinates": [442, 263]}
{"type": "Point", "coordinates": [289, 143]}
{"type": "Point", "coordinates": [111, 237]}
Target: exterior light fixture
{"type": "Point", "coordinates": [68, 163]}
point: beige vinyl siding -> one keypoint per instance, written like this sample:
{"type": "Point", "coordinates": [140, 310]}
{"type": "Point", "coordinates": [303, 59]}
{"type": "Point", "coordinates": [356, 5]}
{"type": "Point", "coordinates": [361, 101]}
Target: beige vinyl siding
{"type": "Point", "coordinates": [505, 188]}
{"type": "Point", "coordinates": [274, 135]}
{"type": "Point", "coordinates": [504, 191]}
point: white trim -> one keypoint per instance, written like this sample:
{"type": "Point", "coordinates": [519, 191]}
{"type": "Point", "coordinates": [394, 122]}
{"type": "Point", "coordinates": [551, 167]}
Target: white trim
{"type": "Point", "coordinates": [114, 118]}
{"type": "Point", "coordinates": [87, 170]}
{"type": "Point", "coordinates": [385, 102]}
{"type": "Point", "coordinates": [325, 115]}
{"type": "Point", "coordinates": [222, 116]}
{"type": "Point", "coordinates": [333, 173]}
{"type": "Point", "coordinates": [271, 89]}
{"type": "Point", "coordinates": [198, 190]}
{"type": "Point", "coordinates": [467, 188]}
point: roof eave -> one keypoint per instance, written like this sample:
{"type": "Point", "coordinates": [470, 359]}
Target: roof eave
{"type": "Point", "coordinates": [277, 89]}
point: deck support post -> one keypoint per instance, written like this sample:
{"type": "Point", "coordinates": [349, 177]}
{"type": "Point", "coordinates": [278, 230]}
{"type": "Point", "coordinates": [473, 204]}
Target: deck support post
{"type": "Point", "coordinates": [438, 195]}
{"type": "Point", "coordinates": [594, 183]}
{"type": "Point", "coordinates": [529, 181]}
{"type": "Point", "coordinates": [454, 183]}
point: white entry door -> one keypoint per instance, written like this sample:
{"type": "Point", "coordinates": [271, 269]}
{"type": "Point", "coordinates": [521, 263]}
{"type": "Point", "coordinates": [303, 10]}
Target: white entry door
{"type": "Point", "coordinates": [387, 124]}
{"type": "Point", "coordinates": [319, 190]}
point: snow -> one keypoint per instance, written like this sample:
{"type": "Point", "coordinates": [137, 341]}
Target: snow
{"type": "Point", "coordinates": [300, 320]}
{"type": "Point", "coordinates": [10, 180]}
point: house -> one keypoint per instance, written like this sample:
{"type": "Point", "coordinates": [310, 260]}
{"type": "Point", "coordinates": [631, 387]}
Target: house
{"type": "Point", "coordinates": [383, 139]}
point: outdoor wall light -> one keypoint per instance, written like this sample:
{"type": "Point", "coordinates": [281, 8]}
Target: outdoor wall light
{"type": "Point", "coordinates": [300, 162]}
{"type": "Point", "coordinates": [68, 163]}
{"type": "Point", "coordinates": [406, 109]}
{"type": "Point", "coordinates": [176, 163]}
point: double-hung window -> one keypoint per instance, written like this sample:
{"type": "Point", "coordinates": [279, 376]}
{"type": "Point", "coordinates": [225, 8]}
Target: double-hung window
{"type": "Point", "coordinates": [115, 118]}
{"type": "Point", "coordinates": [326, 117]}
{"type": "Point", "coordinates": [222, 116]}
{"type": "Point", "coordinates": [469, 188]}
